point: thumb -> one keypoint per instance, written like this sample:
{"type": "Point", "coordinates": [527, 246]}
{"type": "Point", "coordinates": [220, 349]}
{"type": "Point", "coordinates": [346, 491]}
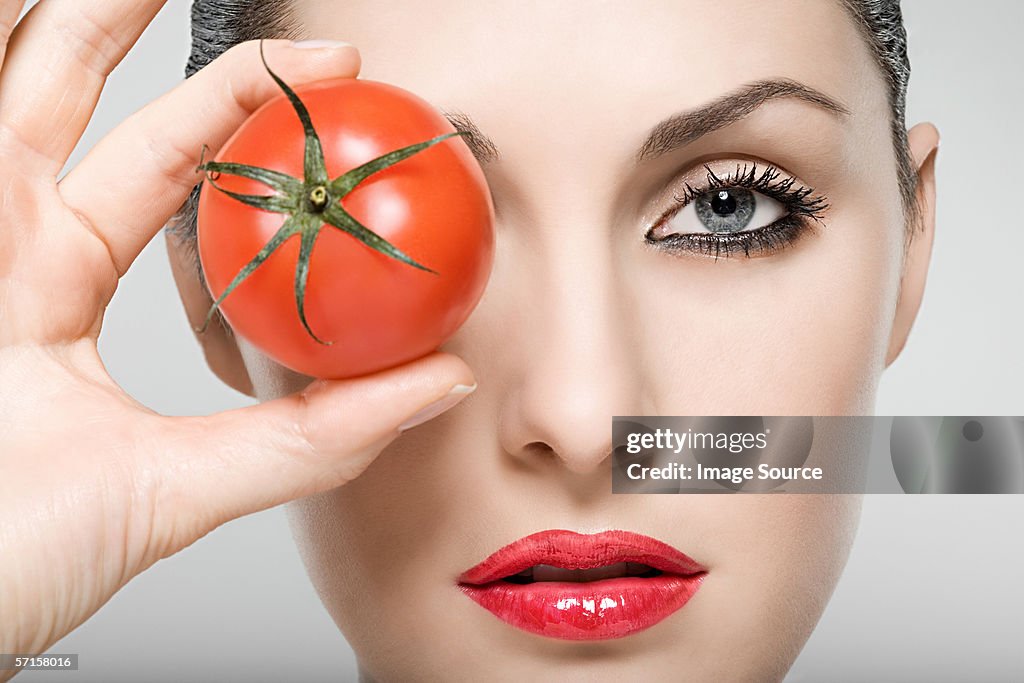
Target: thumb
{"type": "Point", "coordinates": [241, 461]}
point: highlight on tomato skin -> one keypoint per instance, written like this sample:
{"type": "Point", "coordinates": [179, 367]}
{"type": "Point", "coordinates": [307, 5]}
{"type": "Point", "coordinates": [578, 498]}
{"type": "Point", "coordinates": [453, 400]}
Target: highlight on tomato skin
{"type": "Point", "coordinates": [365, 308]}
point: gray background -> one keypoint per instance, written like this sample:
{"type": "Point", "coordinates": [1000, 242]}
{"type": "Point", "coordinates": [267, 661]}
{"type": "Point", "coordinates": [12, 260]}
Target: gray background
{"type": "Point", "coordinates": [935, 586]}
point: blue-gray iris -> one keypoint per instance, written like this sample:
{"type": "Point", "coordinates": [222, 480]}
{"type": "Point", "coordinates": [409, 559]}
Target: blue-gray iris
{"type": "Point", "coordinates": [726, 210]}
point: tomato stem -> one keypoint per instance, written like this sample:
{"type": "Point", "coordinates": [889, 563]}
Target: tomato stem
{"type": "Point", "coordinates": [318, 199]}
{"type": "Point", "coordinates": [310, 202]}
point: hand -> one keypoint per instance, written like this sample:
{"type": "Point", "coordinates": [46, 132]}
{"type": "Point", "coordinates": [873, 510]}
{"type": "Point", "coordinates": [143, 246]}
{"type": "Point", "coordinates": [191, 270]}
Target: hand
{"type": "Point", "coordinates": [94, 487]}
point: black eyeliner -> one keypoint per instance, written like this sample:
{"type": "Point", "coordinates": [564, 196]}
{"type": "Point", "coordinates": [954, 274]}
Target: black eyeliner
{"type": "Point", "coordinates": [766, 240]}
{"type": "Point", "coordinates": [801, 203]}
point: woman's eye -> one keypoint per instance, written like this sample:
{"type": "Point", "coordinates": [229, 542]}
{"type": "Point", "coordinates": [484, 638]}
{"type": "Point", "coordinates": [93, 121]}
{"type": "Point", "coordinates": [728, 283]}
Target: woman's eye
{"type": "Point", "coordinates": [722, 211]}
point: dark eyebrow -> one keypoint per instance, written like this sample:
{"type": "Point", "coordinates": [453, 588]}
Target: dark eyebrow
{"type": "Point", "coordinates": [482, 147]}
{"type": "Point", "coordinates": [682, 129]}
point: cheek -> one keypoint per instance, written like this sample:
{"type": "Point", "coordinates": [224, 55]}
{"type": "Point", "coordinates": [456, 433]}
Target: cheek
{"type": "Point", "coordinates": [798, 332]}
{"type": "Point", "coordinates": [384, 550]}
{"type": "Point", "coordinates": [344, 557]}
{"type": "Point", "coordinates": [777, 560]}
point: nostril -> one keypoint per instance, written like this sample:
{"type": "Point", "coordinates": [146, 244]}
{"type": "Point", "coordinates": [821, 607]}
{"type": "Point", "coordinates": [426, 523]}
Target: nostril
{"type": "Point", "coordinates": [541, 449]}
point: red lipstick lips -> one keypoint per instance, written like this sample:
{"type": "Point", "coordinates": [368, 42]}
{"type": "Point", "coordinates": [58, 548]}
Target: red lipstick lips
{"type": "Point", "coordinates": [562, 584]}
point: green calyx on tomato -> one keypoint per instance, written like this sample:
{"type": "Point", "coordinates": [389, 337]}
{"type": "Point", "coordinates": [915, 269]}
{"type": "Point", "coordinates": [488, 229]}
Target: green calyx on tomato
{"type": "Point", "coordinates": [310, 203]}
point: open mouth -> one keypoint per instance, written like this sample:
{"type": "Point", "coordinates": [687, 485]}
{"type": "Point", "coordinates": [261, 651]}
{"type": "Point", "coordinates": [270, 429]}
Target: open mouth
{"type": "Point", "coordinates": [547, 572]}
{"type": "Point", "coordinates": [562, 584]}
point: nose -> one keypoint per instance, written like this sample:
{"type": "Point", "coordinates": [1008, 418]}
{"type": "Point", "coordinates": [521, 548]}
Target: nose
{"type": "Point", "coordinates": [576, 364]}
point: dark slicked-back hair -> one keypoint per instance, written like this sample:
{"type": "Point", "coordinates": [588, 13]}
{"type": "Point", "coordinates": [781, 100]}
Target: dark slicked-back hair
{"type": "Point", "coordinates": [219, 24]}
{"type": "Point", "coordinates": [881, 25]}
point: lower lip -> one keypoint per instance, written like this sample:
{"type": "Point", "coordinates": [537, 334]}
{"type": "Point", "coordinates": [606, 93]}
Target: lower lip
{"type": "Point", "coordinates": [592, 610]}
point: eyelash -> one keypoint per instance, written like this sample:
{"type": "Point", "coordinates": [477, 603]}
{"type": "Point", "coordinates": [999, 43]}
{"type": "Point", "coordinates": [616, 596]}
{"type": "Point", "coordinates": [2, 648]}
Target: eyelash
{"type": "Point", "coordinates": [802, 204]}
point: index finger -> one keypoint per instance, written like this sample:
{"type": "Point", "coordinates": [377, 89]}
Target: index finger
{"type": "Point", "coordinates": [57, 62]}
{"type": "Point", "coordinates": [9, 12]}
{"type": "Point", "coordinates": [137, 177]}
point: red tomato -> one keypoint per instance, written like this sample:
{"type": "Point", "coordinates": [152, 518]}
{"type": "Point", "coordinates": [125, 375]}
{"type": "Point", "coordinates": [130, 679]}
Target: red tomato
{"type": "Point", "coordinates": [376, 311]}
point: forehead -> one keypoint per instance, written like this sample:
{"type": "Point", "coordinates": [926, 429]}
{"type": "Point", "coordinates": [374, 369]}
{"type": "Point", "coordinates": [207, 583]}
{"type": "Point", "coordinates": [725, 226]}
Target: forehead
{"type": "Point", "coordinates": [553, 75]}
{"type": "Point", "coordinates": [544, 49]}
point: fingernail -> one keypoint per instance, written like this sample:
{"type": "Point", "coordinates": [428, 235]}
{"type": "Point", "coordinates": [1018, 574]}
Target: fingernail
{"type": "Point", "coordinates": [319, 44]}
{"type": "Point", "coordinates": [456, 394]}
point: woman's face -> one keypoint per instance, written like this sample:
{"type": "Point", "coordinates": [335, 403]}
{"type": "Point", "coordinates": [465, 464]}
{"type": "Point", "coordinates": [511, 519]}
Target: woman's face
{"type": "Point", "coordinates": [584, 319]}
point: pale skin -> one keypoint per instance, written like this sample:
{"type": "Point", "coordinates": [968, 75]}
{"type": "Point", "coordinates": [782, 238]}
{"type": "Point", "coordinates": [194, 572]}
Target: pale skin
{"type": "Point", "coordinates": [95, 488]}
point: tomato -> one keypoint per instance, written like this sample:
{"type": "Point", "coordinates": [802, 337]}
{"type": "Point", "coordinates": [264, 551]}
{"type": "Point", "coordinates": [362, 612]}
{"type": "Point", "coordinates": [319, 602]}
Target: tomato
{"type": "Point", "coordinates": [365, 310]}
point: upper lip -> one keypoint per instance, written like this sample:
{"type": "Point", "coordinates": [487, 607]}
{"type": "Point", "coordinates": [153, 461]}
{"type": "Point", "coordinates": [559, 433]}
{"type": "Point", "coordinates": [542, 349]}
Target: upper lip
{"type": "Point", "coordinates": [571, 550]}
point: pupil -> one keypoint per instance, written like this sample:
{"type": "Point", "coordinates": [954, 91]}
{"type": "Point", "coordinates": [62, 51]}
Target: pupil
{"type": "Point", "coordinates": [726, 210]}
{"type": "Point", "coordinates": [723, 203]}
